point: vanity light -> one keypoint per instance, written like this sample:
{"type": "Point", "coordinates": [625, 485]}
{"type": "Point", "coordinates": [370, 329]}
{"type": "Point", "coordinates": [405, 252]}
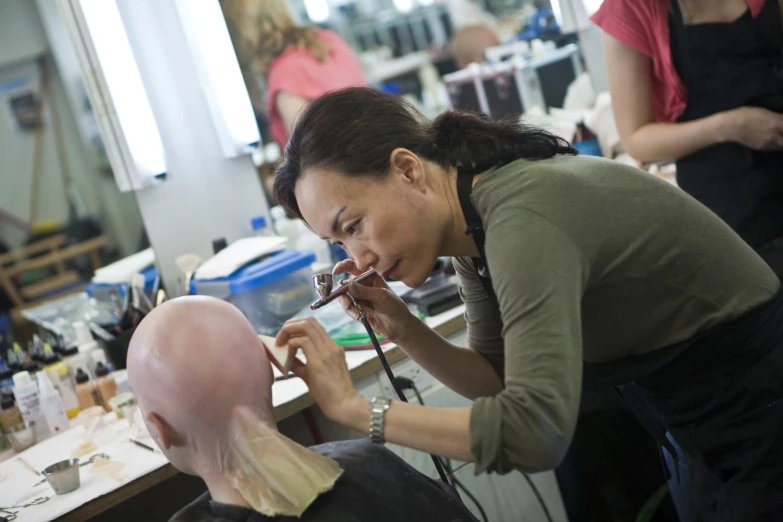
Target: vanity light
{"type": "Point", "coordinates": [220, 76]}
{"type": "Point", "coordinates": [115, 89]}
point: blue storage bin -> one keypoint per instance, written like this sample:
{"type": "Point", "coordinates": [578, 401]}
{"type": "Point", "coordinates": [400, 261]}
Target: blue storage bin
{"type": "Point", "coordinates": [589, 147]}
{"type": "Point", "coordinates": [102, 291]}
{"type": "Point", "coordinates": [268, 292]}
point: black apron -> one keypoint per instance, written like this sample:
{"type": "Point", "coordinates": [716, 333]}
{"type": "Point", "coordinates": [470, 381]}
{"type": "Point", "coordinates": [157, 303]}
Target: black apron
{"type": "Point", "coordinates": [725, 66]}
{"type": "Point", "coordinates": [717, 397]}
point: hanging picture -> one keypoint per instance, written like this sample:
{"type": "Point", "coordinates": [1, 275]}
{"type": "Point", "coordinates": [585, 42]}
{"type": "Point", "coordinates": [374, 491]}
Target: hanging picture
{"type": "Point", "coordinates": [23, 102]}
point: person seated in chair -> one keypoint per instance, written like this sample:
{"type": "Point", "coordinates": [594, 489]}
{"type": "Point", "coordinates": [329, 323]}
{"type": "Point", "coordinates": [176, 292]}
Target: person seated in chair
{"type": "Point", "coordinates": [203, 383]}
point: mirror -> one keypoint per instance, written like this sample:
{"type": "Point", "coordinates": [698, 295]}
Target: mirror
{"type": "Point", "coordinates": [292, 51]}
{"type": "Point", "coordinates": [58, 197]}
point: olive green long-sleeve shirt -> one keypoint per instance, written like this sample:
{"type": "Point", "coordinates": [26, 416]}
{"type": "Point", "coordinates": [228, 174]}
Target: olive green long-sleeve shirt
{"type": "Point", "coordinates": [594, 261]}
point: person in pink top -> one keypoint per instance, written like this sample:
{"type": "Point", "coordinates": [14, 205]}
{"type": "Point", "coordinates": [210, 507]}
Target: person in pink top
{"type": "Point", "coordinates": [701, 82]}
{"type": "Point", "coordinates": [287, 65]}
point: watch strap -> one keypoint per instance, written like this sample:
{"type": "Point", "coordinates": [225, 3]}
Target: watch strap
{"type": "Point", "coordinates": [378, 408]}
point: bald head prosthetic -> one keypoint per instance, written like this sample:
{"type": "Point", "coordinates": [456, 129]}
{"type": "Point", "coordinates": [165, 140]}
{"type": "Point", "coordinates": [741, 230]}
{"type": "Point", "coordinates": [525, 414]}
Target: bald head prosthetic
{"type": "Point", "coordinates": [204, 384]}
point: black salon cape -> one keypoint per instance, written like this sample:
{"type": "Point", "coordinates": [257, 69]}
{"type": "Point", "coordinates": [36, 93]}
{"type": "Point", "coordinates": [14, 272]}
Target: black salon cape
{"type": "Point", "coordinates": [377, 486]}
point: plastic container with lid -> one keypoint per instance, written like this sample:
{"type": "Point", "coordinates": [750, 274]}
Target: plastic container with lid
{"type": "Point", "coordinates": [268, 292]}
{"type": "Point", "coordinates": [103, 291]}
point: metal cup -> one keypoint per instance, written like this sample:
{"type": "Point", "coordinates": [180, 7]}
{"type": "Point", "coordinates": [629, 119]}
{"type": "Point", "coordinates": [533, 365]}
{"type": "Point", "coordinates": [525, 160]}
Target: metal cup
{"type": "Point", "coordinates": [323, 284]}
{"type": "Point", "coordinates": [63, 476]}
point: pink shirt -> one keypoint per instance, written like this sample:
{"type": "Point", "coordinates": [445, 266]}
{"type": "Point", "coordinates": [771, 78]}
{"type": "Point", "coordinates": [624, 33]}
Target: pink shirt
{"type": "Point", "coordinates": [644, 25]}
{"type": "Point", "coordinates": [297, 71]}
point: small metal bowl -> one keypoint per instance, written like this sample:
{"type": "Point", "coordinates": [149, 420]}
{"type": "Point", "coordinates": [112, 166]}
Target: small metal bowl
{"type": "Point", "coordinates": [63, 476]}
{"type": "Point", "coordinates": [21, 436]}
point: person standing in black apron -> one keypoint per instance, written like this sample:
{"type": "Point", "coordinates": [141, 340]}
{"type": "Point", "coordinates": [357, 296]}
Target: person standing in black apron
{"type": "Point", "coordinates": [722, 80]}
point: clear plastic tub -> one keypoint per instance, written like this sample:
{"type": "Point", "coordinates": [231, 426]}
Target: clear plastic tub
{"type": "Point", "coordinates": [268, 292]}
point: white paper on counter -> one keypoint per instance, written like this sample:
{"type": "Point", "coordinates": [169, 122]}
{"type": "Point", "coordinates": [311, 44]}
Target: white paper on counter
{"type": "Point", "coordinates": [16, 481]}
{"type": "Point", "coordinates": [121, 271]}
{"type": "Point", "coordinates": [238, 254]}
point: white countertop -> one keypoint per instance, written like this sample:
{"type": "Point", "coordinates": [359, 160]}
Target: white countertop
{"type": "Point", "coordinates": [16, 480]}
{"type": "Point", "coordinates": [289, 396]}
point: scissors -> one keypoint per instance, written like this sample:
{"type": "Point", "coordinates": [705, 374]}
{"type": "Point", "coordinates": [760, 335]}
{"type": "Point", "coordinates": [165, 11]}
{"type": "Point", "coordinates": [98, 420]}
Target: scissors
{"type": "Point", "coordinates": [7, 515]}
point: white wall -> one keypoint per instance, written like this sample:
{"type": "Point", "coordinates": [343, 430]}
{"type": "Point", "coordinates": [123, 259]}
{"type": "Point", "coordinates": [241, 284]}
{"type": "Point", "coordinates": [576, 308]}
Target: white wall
{"type": "Point", "coordinates": [21, 35]}
{"type": "Point", "coordinates": [22, 40]}
{"type": "Point", "coordinates": [16, 165]}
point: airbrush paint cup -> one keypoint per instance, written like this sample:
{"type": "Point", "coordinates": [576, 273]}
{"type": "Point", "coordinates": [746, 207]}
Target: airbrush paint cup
{"type": "Point", "coordinates": [323, 286]}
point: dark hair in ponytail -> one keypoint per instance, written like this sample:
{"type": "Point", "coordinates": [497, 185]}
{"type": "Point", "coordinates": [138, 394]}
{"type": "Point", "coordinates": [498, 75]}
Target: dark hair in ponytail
{"type": "Point", "coordinates": [354, 131]}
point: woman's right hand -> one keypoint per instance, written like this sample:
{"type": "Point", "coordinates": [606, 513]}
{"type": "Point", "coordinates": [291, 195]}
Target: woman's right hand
{"type": "Point", "coordinates": [756, 128]}
{"type": "Point", "coordinates": [385, 311]}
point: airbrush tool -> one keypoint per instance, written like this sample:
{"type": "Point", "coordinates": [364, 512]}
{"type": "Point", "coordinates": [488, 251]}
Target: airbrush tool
{"type": "Point", "coordinates": [323, 284]}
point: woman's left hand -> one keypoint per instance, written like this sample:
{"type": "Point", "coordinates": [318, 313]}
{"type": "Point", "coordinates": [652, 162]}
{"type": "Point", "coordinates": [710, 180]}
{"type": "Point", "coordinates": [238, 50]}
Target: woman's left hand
{"type": "Point", "coordinates": [326, 372]}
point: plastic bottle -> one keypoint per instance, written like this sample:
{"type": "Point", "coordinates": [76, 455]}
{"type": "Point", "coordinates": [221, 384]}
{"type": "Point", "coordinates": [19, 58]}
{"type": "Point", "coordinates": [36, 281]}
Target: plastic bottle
{"type": "Point", "coordinates": [260, 227]}
{"type": "Point", "coordinates": [28, 398]}
{"type": "Point", "coordinates": [10, 415]}
{"type": "Point", "coordinates": [52, 406]}
{"type": "Point", "coordinates": [49, 357]}
{"type": "Point", "coordinates": [285, 227]}
{"type": "Point", "coordinates": [60, 377]}
{"type": "Point", "coordinates": [99, 356]}
{"type": "Point", "coordinates": [309, 240]}
{"type": "Point", "coordinates": [36, 349]}
{"type": "Point", "coordinates": [86, 344]}
{"type": "Point", "coordinates": [86, 391]}
{"type": "Point", "coordinates": [16, 358]}
{"type": "Point", "coordinates": [72, 359]}
{"type": "Point", "coordinates": [107, 388]}
{"type": "Point", "coordinates": [30, 366]}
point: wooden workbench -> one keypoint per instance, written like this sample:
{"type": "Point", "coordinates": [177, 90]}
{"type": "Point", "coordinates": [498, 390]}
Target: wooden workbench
{"type": "Point", "coordinates": [445, 324]}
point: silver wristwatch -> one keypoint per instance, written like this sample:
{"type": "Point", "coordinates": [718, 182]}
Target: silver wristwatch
{"type": "Point", "coordinates": [378, 407]}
